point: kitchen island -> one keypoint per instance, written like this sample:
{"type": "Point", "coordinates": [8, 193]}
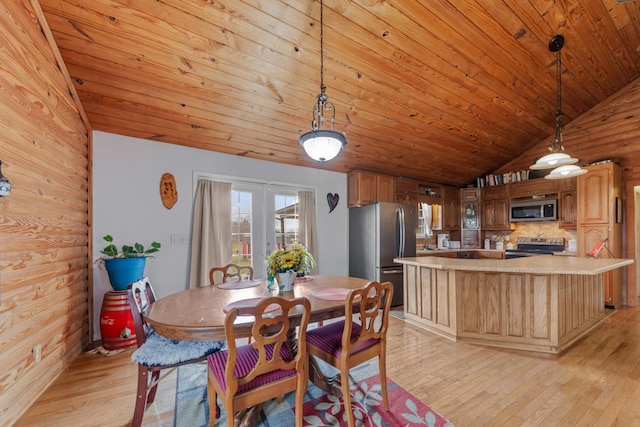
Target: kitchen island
{"type": "Point", "coordinates": [542, 303]}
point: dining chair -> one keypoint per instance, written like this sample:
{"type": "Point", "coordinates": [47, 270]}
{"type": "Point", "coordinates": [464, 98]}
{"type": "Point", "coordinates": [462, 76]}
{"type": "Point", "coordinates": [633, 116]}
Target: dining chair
{"type": "Point", "coordinates": [156, 353]}
{"type": "Point", "coordinates": [361, 336]}
{"type": "Point", "coordinates": [274, 364]}
{"type": "Point", "coordinates": [230, 271]}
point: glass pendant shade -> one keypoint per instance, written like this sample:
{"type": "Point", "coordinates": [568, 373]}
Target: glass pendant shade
{"type": "Point", "coordinates": [553, 160]}
{"type": "Point", "coordinates": [322, 145]}
{"type": "Point", "coordinates": [566, 171]}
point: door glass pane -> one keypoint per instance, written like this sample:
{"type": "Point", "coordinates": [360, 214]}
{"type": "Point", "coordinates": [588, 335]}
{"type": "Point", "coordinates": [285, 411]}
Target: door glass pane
{"type": "Point", "coordinates": [287, 210]}
{"type": "Point", "coordinates": [242, 220]}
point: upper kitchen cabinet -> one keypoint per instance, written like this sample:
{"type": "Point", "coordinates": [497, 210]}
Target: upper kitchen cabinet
{"type": "Point", "coordinates": [533, 187]}
{"type": "Point", "coordinates": [450, 208]}
{"type": "Point", "coordinates": [495, 207]}
{"type": "Point", "coordinates": [598, 190]}
{"type": "Point", "coordinates": [470, 200]}
{"type": "Point", "coordinates": [568, 203]}
{"type": "Point", "coordinates": [406, 191]}
{"type": "Point", "coordinates": [365, 188]}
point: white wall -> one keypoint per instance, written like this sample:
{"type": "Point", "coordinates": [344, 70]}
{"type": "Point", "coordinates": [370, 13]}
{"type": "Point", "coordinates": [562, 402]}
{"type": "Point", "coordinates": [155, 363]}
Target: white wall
{"type": "Point", "coordinates": [127, 204]}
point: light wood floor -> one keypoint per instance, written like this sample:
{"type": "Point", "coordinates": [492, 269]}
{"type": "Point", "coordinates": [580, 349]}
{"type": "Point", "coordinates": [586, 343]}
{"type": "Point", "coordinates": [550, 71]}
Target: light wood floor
{"type": "Point", "coordinates": [594, 383]}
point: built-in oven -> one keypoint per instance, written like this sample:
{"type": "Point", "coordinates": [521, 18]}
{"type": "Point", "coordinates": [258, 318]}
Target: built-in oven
{"type": "Point", "coordinates": [533, 246]}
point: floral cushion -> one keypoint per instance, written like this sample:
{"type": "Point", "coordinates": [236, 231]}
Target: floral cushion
{"type": "Point", "coordinates": [161, 351]}
{"type": "Point", "coordinates": [329, 338]}
{"type": "Point", "coordinates": [247, 357]}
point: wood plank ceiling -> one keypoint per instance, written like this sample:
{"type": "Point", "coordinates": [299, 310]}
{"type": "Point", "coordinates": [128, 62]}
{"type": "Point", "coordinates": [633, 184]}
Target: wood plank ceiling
{"type": "Point", "coordinates": [441, 91]}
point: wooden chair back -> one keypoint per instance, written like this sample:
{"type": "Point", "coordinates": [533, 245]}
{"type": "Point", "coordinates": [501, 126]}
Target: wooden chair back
{"type": "Point", "coordinates": [141, 295]}
{"type": "Point", "coordinates": [372, 306]}
{"type": "Point", "coordinates": [229, 272]}
{"type": "Point", "coordinates": [275, 356]}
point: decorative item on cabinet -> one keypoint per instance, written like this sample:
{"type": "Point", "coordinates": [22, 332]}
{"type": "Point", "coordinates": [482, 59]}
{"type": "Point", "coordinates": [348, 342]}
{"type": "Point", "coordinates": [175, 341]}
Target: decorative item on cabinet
{"type": "Point", "coordinates": [5, 184]}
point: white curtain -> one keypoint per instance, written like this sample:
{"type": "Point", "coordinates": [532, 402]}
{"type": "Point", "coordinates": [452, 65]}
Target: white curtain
{"type": "Point", "coordinates": [211, 230]}
{"type": "Point", "coordinates": [427, 218]}
{"type": "Point", "coordinates": [307, 230]}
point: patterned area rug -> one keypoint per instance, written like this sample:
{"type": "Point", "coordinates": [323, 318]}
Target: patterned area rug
{"type": "Point", "coordinates": [319, 409]}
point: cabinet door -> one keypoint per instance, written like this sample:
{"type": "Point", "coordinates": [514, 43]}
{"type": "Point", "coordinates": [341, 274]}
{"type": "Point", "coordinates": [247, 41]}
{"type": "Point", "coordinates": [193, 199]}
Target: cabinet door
{"type": "Point", "coordinates": [488, 215]}
{"type": "Point", "coordinates": [501, 212]}
{"type": "Point", "coordinates": [567, 210]}
{"type": "Point", "coordinates": [470, 239]}
{"type": "Point", "coordinates": [384, 188]}
{"type": "Point", "coordinates": [594, 196]}
{"type": "Point", "coordinates": [361, 188]}
{"type": "Point", "coordinates": [451, 213]}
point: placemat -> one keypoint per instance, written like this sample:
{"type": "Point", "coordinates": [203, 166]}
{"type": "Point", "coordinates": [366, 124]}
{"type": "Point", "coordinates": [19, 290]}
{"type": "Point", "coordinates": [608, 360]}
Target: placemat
{"type": "Point", "coordinates": [332, 294]}
{"type": "Point", "coordinates": [304, 279]}
{"type": "Point", "coordinates": [249, 302]}
{"type": "Point", "coordinates": [239, 284]}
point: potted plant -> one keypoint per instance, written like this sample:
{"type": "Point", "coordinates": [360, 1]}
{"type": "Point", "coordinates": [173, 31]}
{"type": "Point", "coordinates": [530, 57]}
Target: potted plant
{"type": "Point", "coordinates": [126, 265]}
{"type": "Point", "coordinates": [294, 260]}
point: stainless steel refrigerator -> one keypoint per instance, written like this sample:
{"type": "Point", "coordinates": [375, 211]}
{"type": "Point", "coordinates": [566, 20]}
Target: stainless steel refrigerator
{"type": "Point", "coordinates": [378, 233]}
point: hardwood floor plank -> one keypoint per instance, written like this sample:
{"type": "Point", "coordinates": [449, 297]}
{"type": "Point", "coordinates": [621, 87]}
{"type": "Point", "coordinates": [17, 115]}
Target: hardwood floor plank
{"type": "Point", "coordinates": [594, 383]}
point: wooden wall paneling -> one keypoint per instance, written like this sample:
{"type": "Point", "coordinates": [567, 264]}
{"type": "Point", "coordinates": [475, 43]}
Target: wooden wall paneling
{"type": "Point", "coordinates": [539, 301]}
{"type": "Point", "coordinates": [44, 262]}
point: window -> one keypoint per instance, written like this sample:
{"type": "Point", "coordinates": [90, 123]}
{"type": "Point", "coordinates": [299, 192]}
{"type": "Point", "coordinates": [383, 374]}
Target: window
{"type": "Point", "coordinates": [286, 219]}
{"type": "Point", "coordinates": [241, 220]}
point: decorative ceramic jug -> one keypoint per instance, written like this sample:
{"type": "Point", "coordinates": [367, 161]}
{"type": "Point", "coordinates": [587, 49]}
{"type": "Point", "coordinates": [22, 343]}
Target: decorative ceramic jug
{"type": "Point", "coordinates": [286, 280]}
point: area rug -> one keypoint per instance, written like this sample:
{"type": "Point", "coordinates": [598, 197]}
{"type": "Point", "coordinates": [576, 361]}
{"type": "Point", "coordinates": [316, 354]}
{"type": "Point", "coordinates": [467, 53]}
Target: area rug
{"type": "Point", "coordinates": [319, 409]}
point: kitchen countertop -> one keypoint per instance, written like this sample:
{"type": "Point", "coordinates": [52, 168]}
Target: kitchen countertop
{"type": "Point", "coordinates": [543, 264]}
{"type": "Point", "coordinates": [441, 251]}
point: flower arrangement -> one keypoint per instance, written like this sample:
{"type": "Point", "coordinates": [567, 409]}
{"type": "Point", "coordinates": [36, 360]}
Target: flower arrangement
{"type": "Point", "coordinates": [294, 257]}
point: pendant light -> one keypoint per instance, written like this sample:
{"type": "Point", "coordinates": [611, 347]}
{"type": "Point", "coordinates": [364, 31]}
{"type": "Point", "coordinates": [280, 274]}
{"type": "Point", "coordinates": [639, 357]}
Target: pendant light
{"type": "Point", "coordinates": [561, 163]}
{"type": "Point", "coordinates": [322, 144]}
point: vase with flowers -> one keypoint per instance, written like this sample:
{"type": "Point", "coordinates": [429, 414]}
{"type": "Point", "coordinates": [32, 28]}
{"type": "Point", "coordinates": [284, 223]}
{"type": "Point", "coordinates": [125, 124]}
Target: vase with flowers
{"type": "Point", "coordinates": [287, 263]}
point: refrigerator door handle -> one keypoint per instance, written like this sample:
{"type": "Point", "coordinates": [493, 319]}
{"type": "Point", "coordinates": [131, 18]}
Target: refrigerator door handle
{"type": "Point", "coordinates": [391, 271]}
{"type": "Point", "coordinates": [401, 231]}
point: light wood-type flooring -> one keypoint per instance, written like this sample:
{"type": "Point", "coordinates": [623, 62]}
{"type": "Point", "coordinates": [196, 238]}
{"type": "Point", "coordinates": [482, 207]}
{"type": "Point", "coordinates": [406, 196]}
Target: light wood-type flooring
{"type": "Point", "coordinates": [594, 383]}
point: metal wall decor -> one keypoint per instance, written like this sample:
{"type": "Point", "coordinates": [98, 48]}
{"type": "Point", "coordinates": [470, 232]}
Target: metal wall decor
{"type": "Point", "coordinates": [5, 184]}
{"type": "Point", "coordinates": [333, 200]}
{"type": "Point", "coordinates": [168, 190]}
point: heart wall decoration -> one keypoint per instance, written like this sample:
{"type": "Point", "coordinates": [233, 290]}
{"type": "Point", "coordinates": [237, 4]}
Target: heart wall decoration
{"type": "Point", "coordinates": [333, 200]}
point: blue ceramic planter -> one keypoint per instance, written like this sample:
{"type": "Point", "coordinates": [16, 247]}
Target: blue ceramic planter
{"type": "Point", "coordinates": [123, 271]}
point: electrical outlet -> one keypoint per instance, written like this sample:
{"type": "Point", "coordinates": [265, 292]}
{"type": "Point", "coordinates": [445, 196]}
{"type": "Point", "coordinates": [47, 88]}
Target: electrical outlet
{"type": "Point", "coordinates": [37, 352]}
{"type": "Point", "coordinates": [179, 239]}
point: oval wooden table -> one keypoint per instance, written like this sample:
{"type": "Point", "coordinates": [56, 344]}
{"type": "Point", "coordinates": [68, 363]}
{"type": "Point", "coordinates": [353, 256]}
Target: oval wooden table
{"type": "Point", "coordinates": [198, 315]}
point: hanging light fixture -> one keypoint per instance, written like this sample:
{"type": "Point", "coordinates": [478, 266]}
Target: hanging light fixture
{"type": "Point", "coordinates": [322, 144]}
{"type": "Point", "coordinates": [561, 163]}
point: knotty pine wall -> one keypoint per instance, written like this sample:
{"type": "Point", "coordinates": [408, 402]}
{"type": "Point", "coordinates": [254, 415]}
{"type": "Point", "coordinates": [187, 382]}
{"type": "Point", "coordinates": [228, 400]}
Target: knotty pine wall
{"type": "Point", "coordinates": [44, 238]}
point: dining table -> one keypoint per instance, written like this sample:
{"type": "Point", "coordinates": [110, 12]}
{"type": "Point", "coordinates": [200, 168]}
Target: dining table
{"type": "Point", "coordinates": [198, 314]}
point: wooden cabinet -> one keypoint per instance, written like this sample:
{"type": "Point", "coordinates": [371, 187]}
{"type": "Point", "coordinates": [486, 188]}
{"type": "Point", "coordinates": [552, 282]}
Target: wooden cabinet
{"type": "Point", "coordinates": [534, 187]}
{"type": "Point", "coordinates": [451, 208]}
{"type": "Point", "coordinates": [470, 200]}
{"type": "Point", "coordinates": [567, 211]}
{"type": "Point", "coordinates": [598, 199]}
{"type": "Point", "coordinates": [365, 188]}
{"type": "Point", "coordinates": [405, 191]}
{"type": "Point", "coordinates": [495, 214]}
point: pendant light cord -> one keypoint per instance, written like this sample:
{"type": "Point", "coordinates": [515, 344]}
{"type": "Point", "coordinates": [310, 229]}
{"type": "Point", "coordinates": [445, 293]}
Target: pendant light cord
{"type": "Point", "coordinates": [322, 88]}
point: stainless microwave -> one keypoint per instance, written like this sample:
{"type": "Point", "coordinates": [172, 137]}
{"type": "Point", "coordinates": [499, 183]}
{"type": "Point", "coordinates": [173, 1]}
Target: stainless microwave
{"type": "Point", "coordinates": [533, 210]}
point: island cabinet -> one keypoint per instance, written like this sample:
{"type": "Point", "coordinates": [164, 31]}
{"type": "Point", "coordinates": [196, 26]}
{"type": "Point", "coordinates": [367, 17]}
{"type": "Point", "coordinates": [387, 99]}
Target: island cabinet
{"type": "Point", "coordinates": [599, 219]}
{"type": "Point", "coordinates": [365, 188]}
{"type": "Point", "coordinates": [543, 304]}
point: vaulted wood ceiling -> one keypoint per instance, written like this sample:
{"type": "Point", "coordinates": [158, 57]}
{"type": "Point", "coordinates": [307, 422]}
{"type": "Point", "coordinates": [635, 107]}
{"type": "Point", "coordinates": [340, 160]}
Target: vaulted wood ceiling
{"type": "Point", "coordinates": [441, 91]}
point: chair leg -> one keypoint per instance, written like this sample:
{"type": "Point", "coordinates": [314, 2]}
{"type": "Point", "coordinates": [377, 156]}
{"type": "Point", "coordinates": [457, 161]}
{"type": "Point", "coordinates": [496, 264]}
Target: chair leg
{"type": "Point", "coordinates": [141, 396]}
{"type": "Point", "coordinates": [155, 375]}
{"type": "Point", "coordinates": [214, 411]}
{"type": "Point", "coordinates": [346, 397]}
{"type": "Point", "coordinates": [382, 367]}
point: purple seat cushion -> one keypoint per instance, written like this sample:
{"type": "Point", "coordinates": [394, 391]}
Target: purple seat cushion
{"type": "Point", "coordinates": [329, 338]}
{"type": "Point", "coordinates": [247, 357]}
